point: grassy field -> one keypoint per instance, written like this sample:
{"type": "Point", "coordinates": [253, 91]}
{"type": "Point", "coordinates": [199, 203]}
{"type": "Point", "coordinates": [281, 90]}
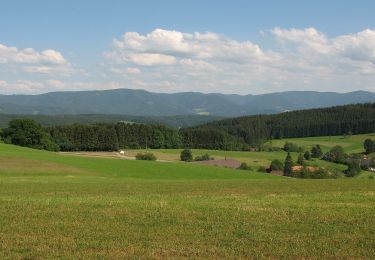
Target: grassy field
{"type": "Point", "coordinates": [351, 144]}
{"type": "Point", "coordinates": [70, 207]}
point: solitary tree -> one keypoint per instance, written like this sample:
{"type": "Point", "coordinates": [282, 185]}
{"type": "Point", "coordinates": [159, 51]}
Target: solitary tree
{"type": "Point", "coordinates": [288, 165]}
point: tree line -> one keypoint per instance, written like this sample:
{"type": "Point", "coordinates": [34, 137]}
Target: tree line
{"type": "Point", "coordinates": [242, 133]}
{"type": "Point", "coordinates": [111, 137]}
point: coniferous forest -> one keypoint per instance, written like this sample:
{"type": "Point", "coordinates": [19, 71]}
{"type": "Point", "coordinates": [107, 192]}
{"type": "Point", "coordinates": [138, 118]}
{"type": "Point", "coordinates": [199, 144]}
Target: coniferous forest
{"type": "Point", "coordinates": [241, 133]}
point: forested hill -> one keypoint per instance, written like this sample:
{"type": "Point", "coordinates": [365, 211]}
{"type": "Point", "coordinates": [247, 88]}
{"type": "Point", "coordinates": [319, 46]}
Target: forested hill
{"type": "Point", "coordinates": [87, 119]}
{"type": "Point", "coordinates": [230, 134]}
{"type": "Point", "coordinates": [144, 103]}
{"type": "Point", "coordinates": [339, 120]}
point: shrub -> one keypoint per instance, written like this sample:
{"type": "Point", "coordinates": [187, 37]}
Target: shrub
{"type": "Point", "coordinates": [205, 157]}
{"type": "Point", "coordinates": [353, 169]}
{"type": "Point", "coordinates": [369, 146]}
{"type": "Point", "coordinates": [186, 155]}
{"type": "Point", "coordinates": [316, 151]}
{"type": "Point", "coordinates": [317, 174]}
{"type": "Point", "coordinates": [307, 155]}
{"type": "Point", "coordinates": [145, 156]}
{"type": "Point", "coordinates": [244, 166]}
{"type": "Point", "coordinates": [336, 155]}
{"type": "Point", "coordinates": [292, 147]}
{"type": "Point", "coordinates": [301, 159]}
{"type": "Point", "coordinates": [276, 165]}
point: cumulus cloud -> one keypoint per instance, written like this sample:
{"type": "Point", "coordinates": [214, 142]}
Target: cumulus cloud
{"type": "Point", "coordinates": [30, 56]}
{"type": "Point", "coordinates": [173, 61]}
{"type": "Point", "coordinates": [210, 62]}
{"type": "Point", "coordinates": [164, 47]}
{"type": "Point", "coordinates": [31, 61]}
{"type": "Point", "coordinates": [357, 47]}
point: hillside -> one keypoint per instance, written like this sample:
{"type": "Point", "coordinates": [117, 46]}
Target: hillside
{"type": "Point", "coordinates": [143, 103]}
{"type": "Point", "coordinates": [59, 206]}
{"type": "Point", "coordinates": [253, 130]}
{"type": "Point", "coordinates": [53, 120]}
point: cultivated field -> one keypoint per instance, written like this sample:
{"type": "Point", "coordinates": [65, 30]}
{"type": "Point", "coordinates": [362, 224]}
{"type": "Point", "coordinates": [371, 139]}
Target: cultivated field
{"type": "Point", "coordinates": [62, 206]}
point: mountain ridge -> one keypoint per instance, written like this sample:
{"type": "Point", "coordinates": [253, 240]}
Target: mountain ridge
{"type": "Point", "coordinates": [144, 103]}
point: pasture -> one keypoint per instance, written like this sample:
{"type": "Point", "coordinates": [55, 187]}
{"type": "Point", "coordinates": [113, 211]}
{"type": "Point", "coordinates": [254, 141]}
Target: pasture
{"type": "Point", "coordinates": [62, 206]}
{"type": "Point", "coordinates": [351, 144]}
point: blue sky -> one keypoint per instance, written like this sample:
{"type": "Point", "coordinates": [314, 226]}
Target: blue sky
{"type": "Point", "coordinates": [287, 45]}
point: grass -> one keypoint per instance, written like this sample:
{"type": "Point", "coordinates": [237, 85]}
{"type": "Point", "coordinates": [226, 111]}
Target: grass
{"type": "Point", "coordinates": [351, 144]}
{"type": "Point", "coordinates": [70, 207]}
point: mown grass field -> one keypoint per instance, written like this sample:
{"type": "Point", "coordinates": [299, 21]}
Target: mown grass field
{"type": "Point", "coordinates": [72, 207]}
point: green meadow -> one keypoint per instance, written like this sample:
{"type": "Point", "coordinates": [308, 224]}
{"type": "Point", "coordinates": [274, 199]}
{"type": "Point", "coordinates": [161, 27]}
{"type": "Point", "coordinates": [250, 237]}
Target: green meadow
{"type": "Point", "coordinates": [351, 144]}
{"type": "Point", "coordinates": [73, 207]}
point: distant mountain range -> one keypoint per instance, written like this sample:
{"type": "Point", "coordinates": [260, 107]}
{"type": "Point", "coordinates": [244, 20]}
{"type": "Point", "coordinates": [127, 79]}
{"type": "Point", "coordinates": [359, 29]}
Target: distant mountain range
{"type": "Point", "coordinates": [143, 103]}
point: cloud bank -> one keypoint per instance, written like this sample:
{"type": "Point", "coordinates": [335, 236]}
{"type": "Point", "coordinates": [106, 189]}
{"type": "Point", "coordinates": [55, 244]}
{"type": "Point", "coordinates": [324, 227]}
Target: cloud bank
{"type": "Point", "coordinates": [173, 61]}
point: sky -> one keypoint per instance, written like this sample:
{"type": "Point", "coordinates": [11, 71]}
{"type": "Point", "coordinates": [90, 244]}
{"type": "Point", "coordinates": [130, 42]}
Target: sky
{"type": "Point", "coordinates": [241, 47]}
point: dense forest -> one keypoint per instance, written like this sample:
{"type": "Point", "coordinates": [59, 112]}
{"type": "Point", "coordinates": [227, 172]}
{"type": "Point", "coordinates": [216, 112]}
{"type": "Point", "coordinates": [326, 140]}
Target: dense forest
{"type": "Point", "coordinates": [241, 133]}
{"type": "Point", "coordinates": [171, 121]}
{"type": "Point", "coordinates": [252, 130]}
{"type": "Point", "coordinates": [111, 137]}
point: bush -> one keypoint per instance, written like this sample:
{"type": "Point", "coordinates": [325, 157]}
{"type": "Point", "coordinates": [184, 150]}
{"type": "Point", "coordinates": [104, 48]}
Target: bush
{"type": "Point", "coordinates": [301, 159]}
{"type": "Point", "coordinates": [336, 155]}
{"type": "Point", "coordinates": [307, 155]}
{"type": "Point", "coordinates": [145, 156]}
{"type": "Point", "coordinates": [292, 147]}
{"type": "Point", "coordinates": [369, 146]}
{"type": "Point", "coordinates": [318, 174]}
{"type": "Point", "coordinates": [244, 166]}
{"type": "Point", "coordinates": [205, 157]}
{"type": "Point", "coordinates": [353, 169]}
{"type": "Point", "coordinates": [186, 155]}
{"type": "Point", "coordinates": [316, 151]}
{"type": "Point", "coordinates": [276, 165]}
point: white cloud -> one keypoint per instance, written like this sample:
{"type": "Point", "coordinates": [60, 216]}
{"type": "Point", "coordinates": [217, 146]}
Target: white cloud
{"type": "Point", "coordinates": [173, 61]}
{"type": "Point", "coordinates": [30, 56]}
{"type": "Point", "coordinates": [165, 47]}
{"type": "Point", "coordinates": [356, 47]}
{"type": "Point", "coordinates": [308, 38]}
{"type": "Point", "coordinates": [210, 62]}
{"type": "Point", "coordinates": [31, 61]}
{"type": "Point", "coordinates": [126, 71]}
{"type": "Point", "coordinates": [150, 59]}
{"type": "Point", "coordinates": [133, 70]}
